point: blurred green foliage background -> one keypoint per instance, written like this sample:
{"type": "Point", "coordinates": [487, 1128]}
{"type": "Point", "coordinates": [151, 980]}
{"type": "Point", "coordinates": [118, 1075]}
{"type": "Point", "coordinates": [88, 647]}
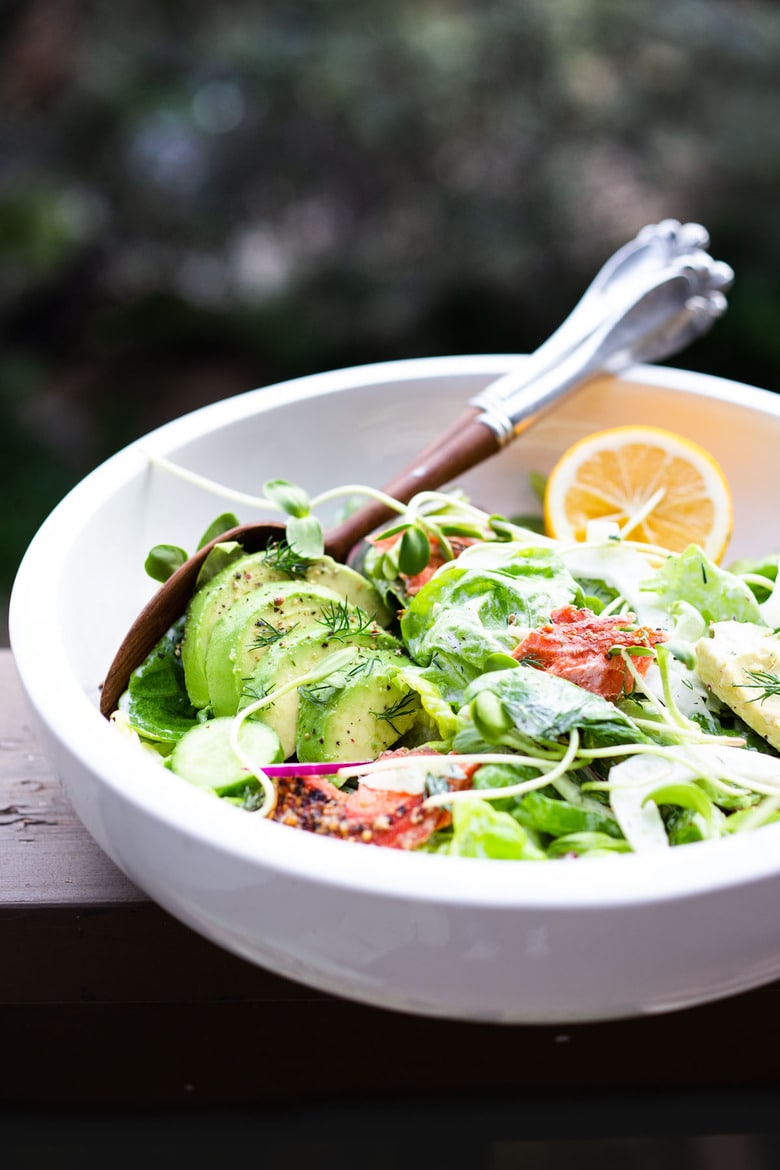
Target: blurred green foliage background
{"type": "Point", "coordinates": [199, 199]}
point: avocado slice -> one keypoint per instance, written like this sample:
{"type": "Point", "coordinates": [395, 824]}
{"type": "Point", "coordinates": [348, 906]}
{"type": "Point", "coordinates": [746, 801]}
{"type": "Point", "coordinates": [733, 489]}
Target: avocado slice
{"type": "Point", "coordinates": [358, 712]}
{"type": "Point", "coordinates": [297, 654]}
{"type": "Point", "coordinates": [254, 622]}
{"type": "Point", "coordinates": [206, 607]}
{"type": "Point", "coordinates": [353, 587]}
{"type": "Point", "coordinates": [214, 599]}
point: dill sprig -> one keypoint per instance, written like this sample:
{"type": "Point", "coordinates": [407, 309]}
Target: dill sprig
{"type": "Point", "coordinates": [251, 692]}
{"type": "Point", "coordinates": [407, 703]}
{"type": "Point", "coordinates": [343, 620]}
{"type": "Point", "coordinates": [281, 556]}
{"type": "Point", "coordinates": [267, 634]}
{"type": "Point", "coordinates": [763, 680]}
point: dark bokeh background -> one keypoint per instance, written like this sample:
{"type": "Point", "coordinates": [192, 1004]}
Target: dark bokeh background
{"type": "Point", "coordinates": [199, 199]}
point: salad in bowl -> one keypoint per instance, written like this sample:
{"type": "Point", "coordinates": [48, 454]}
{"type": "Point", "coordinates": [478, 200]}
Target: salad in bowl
{"type": "Point", "coordinates": [477, 686]}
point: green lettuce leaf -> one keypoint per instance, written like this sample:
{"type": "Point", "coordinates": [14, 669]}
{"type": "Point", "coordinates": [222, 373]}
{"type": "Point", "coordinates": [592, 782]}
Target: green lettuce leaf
{"type": "Point", "coordinates": [463, 616]}
{"type": "Point", "coordinates": [717, 594]}
{"type": "Point", "coordinates": [558, 818]}
{"type": "Point", "coordinates": [543, 811]}
{"type": "Point", "coordinates": [479, 830]}
{"type": "Point", "coordinates": [588, 845]}
{"type": "Point", "coordinates": [534, 705]}
{"type": "Point", "coordinates": [156, 702]}
{"type": "Point", "coordinates": [766, 567]}
{"type": "Point", "coordinates": [502, 776]}
{"type": "Point", "coordinates": [433, 703]}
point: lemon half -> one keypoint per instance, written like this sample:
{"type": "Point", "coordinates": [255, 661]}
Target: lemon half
{"type": "Point", "coordinates": [659, 487]}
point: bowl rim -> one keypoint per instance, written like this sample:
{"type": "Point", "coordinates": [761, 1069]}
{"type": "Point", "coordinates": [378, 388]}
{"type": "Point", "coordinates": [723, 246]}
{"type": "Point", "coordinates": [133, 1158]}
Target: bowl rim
{"type": "Point", "coordinates": [75, 724]}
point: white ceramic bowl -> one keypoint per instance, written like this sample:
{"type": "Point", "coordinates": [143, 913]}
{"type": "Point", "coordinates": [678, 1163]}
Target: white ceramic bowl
{"type": "Point", "coordinates": [478, 940]}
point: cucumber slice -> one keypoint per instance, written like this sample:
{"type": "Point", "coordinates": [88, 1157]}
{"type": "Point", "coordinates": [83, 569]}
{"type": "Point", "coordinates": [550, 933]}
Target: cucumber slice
{"type": "Point", "coordinates": [204, 755]}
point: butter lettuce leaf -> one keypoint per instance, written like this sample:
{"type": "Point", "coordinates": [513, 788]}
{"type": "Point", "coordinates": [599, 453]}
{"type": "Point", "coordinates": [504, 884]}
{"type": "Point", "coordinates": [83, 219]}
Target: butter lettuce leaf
{"type": "Point", "coordinates": [479, 830]}
{"type": "Point", "coordinates": [463, 616]}
{"type": "Point", "coordinates": [557, 817]}
{"type": "Point", "coordinates": [156, 702]}
{"type": "Point", "coordinates": [766, 567]}
{"type": "Point", "coordinates": [716, 593]}
{"type": "Point", "coordinates": [434, 705]}
{"type": "Point", "coordinates": [537, 706]}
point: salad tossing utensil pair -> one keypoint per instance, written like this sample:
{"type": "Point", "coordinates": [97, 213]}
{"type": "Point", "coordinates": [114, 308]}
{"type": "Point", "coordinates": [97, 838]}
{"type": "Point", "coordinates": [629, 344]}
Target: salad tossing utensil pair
{"type": "Point", "coordinates": [627, 272]}
{"type": "Point", "coordinates": [654, 297]}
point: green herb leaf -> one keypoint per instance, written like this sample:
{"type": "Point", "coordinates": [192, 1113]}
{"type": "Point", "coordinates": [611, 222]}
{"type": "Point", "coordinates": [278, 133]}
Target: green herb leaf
{"type": "Point", "coordinates": [267, 634]}
{"type": "Point", "coordinates": [304, 536]}
{"type": "Point", "coordinates": [288, 496]}
{"type": "Point", "coordinates": [163, 561]}
{"type": "Point", "coordinates": [156, 701]}
{"type": "Point", "coordinates": [408, 704]}
{"type": "Point", "coordinates": [223, 523]}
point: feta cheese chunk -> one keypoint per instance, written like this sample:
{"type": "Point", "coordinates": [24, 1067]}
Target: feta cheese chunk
{"type": "Point", "coordinates": [740, 662]}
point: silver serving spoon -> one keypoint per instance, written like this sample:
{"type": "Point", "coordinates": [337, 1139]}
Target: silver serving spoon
{"type": "Point", "coordinates": [652, 250]}
{"type": "Point", "coordinates": [634, 267]}
{"type": "Point", "coordinates": [666, 315]}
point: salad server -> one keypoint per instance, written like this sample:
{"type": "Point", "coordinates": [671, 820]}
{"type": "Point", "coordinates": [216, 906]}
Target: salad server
{"type": "Point", "coordinates": [631, 268]}
{"type": "Point", "coordinates": [679, 304]}
{"type": "Point", "coordinates": [634, 267]}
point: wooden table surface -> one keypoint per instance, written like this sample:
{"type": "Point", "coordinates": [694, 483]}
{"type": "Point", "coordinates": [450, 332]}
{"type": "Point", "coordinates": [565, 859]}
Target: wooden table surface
{"type": "Point", "coordinates": [107, 1000]}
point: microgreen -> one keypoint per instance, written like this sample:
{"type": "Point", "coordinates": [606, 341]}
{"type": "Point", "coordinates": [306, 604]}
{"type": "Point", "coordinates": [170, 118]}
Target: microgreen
{"type": "Point", "coordinates": [163, 560]}
{"type": "Point", "coordinates": [222, 524]}
{"type": "Point", "coordinates": [288, 496]}
{"type": "Point", "coordinates": [303, 530]}
{"type": "Point", "coordinates": [634, 651]}
{"type": "Point", "coordinates": [414, 551]}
